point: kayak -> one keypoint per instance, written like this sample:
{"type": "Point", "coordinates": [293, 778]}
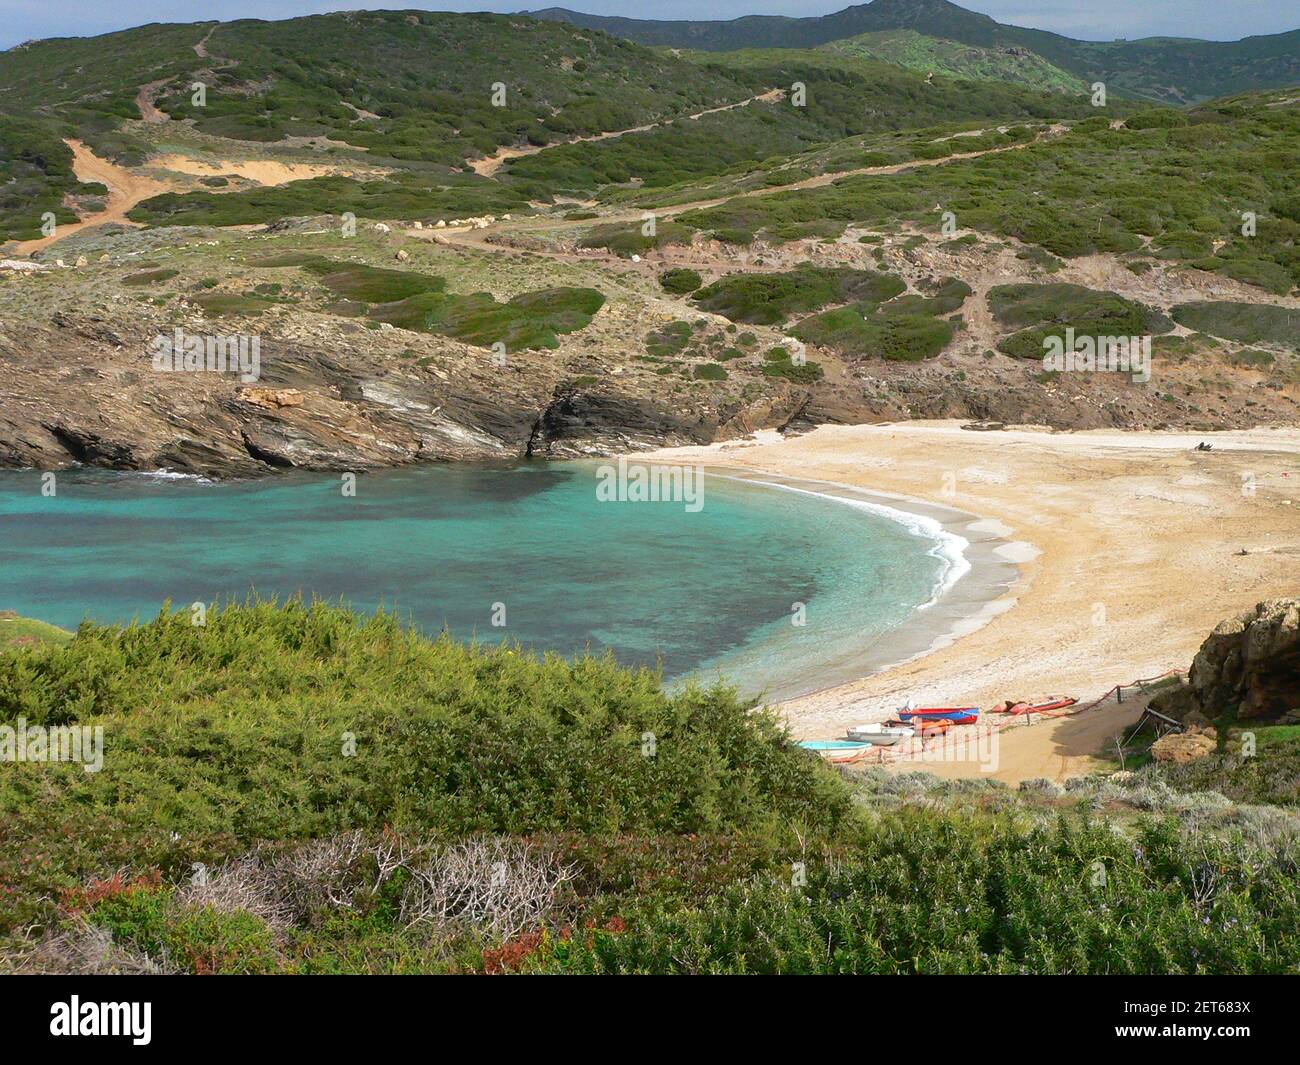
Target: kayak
{"type": "Point", "coordinates": [1034, 708]}
{"type": "Point", "coordinates": [960, 715]}
{"type": "Point", "coordinates": [836, 750]}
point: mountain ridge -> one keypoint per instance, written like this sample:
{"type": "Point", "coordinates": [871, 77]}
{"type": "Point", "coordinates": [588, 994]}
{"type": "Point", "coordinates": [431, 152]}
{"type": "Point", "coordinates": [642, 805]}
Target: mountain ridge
{"type": "Point", "coordinates": [1163, 69]}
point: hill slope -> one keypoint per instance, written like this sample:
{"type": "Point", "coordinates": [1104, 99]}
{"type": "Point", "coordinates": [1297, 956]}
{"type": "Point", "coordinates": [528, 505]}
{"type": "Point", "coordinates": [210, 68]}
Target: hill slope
{"type": "Point", "coordinates": [915, 51]}
{"type": "Point", "coordinates": [397, 107]}
{"type": "Point", "coordinates": [1156, 68]}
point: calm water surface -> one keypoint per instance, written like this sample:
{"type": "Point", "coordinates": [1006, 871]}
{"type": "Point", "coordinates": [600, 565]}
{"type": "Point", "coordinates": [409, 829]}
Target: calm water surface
{"type": "Point", "coordinates": [705, 593]}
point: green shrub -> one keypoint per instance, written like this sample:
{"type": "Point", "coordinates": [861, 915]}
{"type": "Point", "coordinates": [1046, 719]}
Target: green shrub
{"type": "Point", "coordinates": [679, 281]}
{"type": "Point", "coordinates": [1249, 323]}
{"type": "Point", "coordinates": [768, 299]}
{"type": "Point", "coordinates": [862, 331]}
{"type": "Point", "coordinates": [223, 732]}
{"type": "Point", "coordinates": [1049, 309]}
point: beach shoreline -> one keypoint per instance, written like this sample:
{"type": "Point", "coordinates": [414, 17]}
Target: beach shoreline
{"type": "Point", "coordinates": [1141, 545]}
{"type": "Point", "coordinates": [989, 579]}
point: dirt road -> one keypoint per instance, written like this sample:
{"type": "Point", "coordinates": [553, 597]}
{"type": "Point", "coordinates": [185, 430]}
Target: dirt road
{"type": "Point", "coordinates": [125, 190]}
{"type": "Point", "coordinates": [490, 164]}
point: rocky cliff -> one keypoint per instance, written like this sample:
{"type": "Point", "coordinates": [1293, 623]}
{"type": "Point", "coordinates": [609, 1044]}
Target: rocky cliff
{"type": "Point", "coordinates": [1248, 666]}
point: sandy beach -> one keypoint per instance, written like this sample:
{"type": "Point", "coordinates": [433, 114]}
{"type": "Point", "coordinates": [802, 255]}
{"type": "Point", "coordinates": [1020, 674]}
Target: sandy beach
{"type": "Point", "coordinates": [1129, 548]}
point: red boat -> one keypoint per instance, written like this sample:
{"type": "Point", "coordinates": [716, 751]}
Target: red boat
{"type": "Point", "coordinates": [1021, 708]}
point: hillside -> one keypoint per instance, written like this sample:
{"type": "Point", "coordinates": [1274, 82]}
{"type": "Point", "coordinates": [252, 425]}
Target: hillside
{"type": "Point", "coordinates": [649, 283]}
{"type": "Point", "coordinates": [907, 48]}
{"type": "Point", "coordinates": [399, 108]}
{"type": "Point", "coordinates": [1175, 71]}
{"type": "Point", "coordinates": [364, 78]}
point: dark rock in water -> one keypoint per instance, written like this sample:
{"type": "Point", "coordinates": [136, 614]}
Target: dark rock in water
{"type": "Point", "coordinates": [1249, 665]}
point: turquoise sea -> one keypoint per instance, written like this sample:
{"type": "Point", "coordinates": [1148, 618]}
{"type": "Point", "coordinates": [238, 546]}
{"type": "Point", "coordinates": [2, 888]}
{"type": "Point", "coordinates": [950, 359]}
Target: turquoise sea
{"type": "Point", "coordinates": [705, 592]}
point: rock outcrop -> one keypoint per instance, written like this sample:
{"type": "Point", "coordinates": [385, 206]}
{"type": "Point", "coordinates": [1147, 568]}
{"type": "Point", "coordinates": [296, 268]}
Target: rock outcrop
{"type": "Point", "coordinates": [1249, 666]}
{"type": "Point", "coordinates": [1183, 747]}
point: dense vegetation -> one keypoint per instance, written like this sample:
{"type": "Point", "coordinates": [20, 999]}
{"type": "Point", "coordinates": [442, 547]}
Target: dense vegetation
{"type": "Point", "coordinates": [35, 174]}
{"type": "Point", "coordinates": [1040, 311]}
{"type": "Point", "coordinates": [420, 302]}
{"type": "Point", "coordinates": [913, 50]}
{"type": "Point", "coordinates": [1250, 323]}
{"type": "Point", "coordinates": [770, 299]}
{"type": "Point", "coordinates": [831, 109]}
{"type": "Point", "coordinates": [424, 93]}
{"type": "Point", "coordinates": [297, 789]}
{"type": "Point", "coordinates": [1181, 181]}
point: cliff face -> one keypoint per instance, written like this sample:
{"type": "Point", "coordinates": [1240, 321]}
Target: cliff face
{"type": "Point", "coordinates": [80, 391]}
{"type": "Point", "coordinates": [1249, 665]}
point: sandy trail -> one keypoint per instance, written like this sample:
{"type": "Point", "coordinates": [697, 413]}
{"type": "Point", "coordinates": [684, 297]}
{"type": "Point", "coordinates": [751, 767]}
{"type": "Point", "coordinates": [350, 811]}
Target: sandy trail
{"type": "Point", "coordinates": [125, 190]}
{"type": "Point", "coordinates": [263, 171]}
{"type": "Point", "coordinates": [489, 165]}
{"type": "Point", "coordinates": [144, 101]}
{"type": "Point", "coordinates": [1139, 539]}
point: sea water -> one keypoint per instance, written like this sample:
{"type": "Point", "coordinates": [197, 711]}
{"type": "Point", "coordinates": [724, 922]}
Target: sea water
{"type": "Point", "coordinates": [777, 591]}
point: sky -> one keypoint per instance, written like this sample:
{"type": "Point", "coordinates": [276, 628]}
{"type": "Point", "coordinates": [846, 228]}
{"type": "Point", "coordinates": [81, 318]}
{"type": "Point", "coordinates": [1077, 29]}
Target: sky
{"type": "Point", "coordinates": [1223, 20]}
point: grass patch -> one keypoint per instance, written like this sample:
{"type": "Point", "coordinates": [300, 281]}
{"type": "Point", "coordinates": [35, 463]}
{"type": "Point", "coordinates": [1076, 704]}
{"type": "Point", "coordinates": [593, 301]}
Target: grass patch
{"type": "Point", "coordinates": [234, 304]}
{"type": "Point", "coordinates": [17, 632]}
{"type": "Point", "coordinates": [149, 277]}
{"type": "Point", "coordinates": [1248, 323]}
{"type": "Point", "coordinates": [679, 281]}
{"type": "Point", "coordinates": [529, 320]}
{"type": "Point", "coordinates": [769, 299]}
{"type": "Point", "coordinates": [1047, 310]}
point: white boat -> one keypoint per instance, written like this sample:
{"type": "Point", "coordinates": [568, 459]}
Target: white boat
{"type": "Point", "coordinates": [836, 750]}
{"type": "Point", "coordinates": [880, 735]}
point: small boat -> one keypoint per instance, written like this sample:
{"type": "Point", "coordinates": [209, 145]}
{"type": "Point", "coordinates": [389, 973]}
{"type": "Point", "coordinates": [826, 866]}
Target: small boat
{"type": "Point", "coordinates": [1038, 708]}
{"type": "Point", "coordinates": [836, 750]}
{"type": "Point", "coordinates": [962, 715]}
{"type": "Point", "coordinates": [880, 735]}
{"type": "Point", "coordinates": [934, 726]}
{"type": "Point", "coordinates": [1020, 708]}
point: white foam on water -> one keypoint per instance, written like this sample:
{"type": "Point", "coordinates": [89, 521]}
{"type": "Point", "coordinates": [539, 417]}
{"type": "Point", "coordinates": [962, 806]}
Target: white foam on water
{"type": "Point", "coordinates": [949, 548]}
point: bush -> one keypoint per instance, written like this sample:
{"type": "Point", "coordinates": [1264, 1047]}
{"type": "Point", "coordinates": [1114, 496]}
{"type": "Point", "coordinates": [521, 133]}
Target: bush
{"type": "Point", "coordinates": [768, 299]}
{"type": "Point", "coordinates": [221, 736]}
{"type": "Point", "coordinates": [679, 281]}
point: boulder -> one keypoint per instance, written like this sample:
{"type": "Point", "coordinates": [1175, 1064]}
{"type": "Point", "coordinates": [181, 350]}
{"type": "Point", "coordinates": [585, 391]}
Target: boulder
{"type": "Point", "coordinates": [1183, 747]}
{"type": "Point", "coordinates": [1249, 666]}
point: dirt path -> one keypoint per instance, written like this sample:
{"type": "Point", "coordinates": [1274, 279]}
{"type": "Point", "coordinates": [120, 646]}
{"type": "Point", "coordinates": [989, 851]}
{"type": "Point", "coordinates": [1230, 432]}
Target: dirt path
{"type": "Point", "coordinates": [489, 165]}
{"type": "Point", "coordinates": [144, 101]}
{"type": "Point", "coordinates": [201, 47]}
{"type": "Point", "coordinates": [461, 235]}
{"type": "Point", "coordinates": [125, 190]}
